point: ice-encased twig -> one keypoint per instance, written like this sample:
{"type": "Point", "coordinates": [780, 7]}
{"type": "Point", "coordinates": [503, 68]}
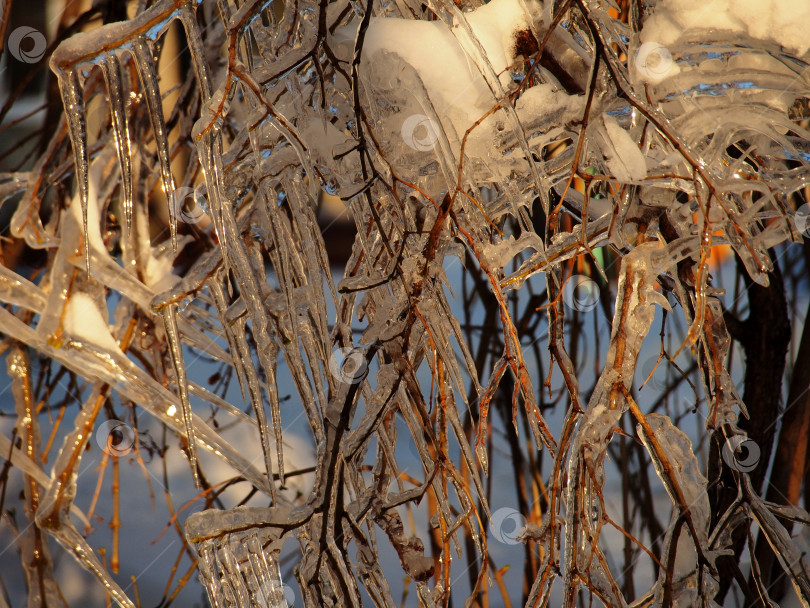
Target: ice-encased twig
{"type": "Point", "coordinates": [248, 380]}
{"type": "Point", "coordinates": [135, 385]}
{"type": "Point", "coordinates": [53, 512]}
{"type": "Point", "coordinates": [169, 315]}
{"type": "Point", "coordinates": [35, 554]}
{"type": "Point", "coordinates": [791, 560]}
{"type": "Point", "coordinates": [22, 462]}
{"type": "Point", "coordinates": [686, 485]}
{"type": "Point", "coordinates": [633, 316]}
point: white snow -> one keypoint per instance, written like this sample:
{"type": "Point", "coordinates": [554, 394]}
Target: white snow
{"type": "Point", "coordinates": [430, 72]}
{"type": "Point", "coordinates": [542, 98]}
{"type": "Point", "coordinates": [158, 272]}
{"type": "Point", "coordinates": [624, 159]}
{"type": "Point", "coordinates": [84, 320]}
{"type": "Point", "coordinates": [781, 21]}
{"type": "Point", "coordinates": [444, 62]}
{"type": "Point", "coordinates": [156, 262]}
{"type": "Point", "coordinates": [93, 237]}
{"type": "Point", "coordinates": [495, 25]}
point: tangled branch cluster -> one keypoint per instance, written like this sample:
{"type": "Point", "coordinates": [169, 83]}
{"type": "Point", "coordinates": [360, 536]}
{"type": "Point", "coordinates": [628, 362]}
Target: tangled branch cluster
{"type": "Point", "coordinates": [495, 163]}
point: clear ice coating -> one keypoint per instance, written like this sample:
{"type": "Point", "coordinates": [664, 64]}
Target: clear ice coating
{"type": "Point", "coordinates": [444, 137]}
{"type": "Point", "coordinates": [239, 556]}
{"type": "Point", "coordinates": [169, 315]}
{"type": "Point", "coordinates": [118, 115]}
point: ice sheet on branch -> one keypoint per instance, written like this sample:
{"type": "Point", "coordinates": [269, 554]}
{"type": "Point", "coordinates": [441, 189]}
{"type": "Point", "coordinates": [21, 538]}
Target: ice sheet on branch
{"type": "Point", "coordinates": [728, 102]}
{"type": "Point", "coordinates": [774, 20]}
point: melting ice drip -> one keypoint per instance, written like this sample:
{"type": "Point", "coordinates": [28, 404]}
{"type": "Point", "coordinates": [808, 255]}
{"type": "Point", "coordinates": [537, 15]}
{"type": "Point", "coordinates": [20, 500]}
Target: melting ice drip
{"type": "Point", "coordinates": [239, 569]}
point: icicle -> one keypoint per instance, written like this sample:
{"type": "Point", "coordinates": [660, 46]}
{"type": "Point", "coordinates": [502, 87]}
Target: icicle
{"type": "Point", "coordinates": [238, 551]}
{"type": "Point", "coordinates": [246, 362]}
{"type": "Point", "coordinates": [209, 576]}
{"type": "Point", "coordinates": [74, 543]}
{"type": "Point", "coordinates": [195, 45]}
{"type": "Point", "coordinates": [118, 115]}
{"type": "Point", "coordinates": [233, 572]}
{"type": "Point", "coordinates": [208, 145]}
{"type": "Point", "coordinates": [169, 315]}
{"type": "Point", "coordinates": [268, 361]}
{"type": "Point", "coordinates": [269, 589]}
{"type": "Point", "coordinates": [147, 70]}
{"type": "Point", "coordinates": [71, 91]}
{"type": "Point", "coordinates": [458, 429]}
{"type": "Point", "coordinates": [209, 152]}
{"type": "Point", "coordinates": [245, 369]}
{"type": "Point", "coordinates": [218, 295]}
